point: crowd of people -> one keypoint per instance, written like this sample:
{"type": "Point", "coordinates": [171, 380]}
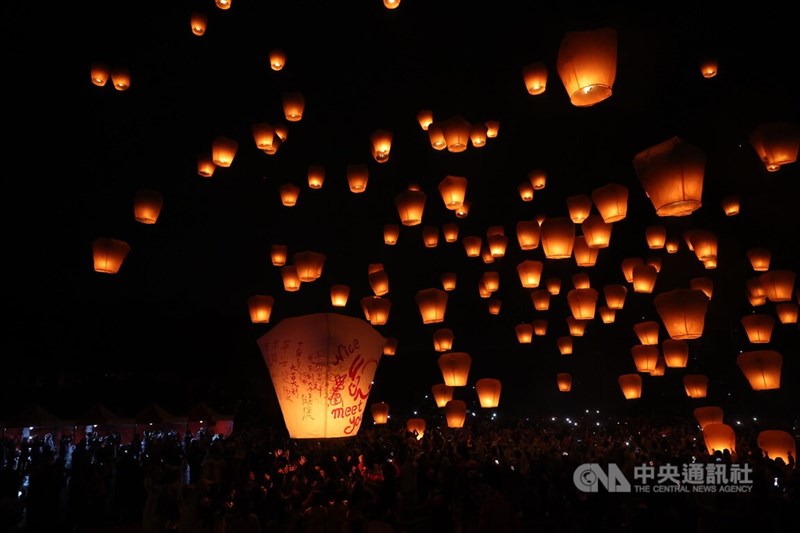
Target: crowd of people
{"type": "Point", "coordinates": [489, 476]}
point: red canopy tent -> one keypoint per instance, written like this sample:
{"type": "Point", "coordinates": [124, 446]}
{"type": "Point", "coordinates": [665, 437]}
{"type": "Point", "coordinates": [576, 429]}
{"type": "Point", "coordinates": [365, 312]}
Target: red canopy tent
{"type": "Point", "coordinates": [203, 416]}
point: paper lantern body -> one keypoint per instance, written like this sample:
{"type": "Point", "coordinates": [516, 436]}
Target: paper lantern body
{"type": "Point", "coordinates": [488, 390]}
{"type": "Point", "coordinates": [109, 254]}
{"type": "Point", "coordinates": [719, 437]}
{"type": "Point", "coordinates": [455, 412]}
{"type": "Point", "coordinates": [380, 412]}
{"type": "Point", "coordinates": [587, 65]}
{"type": "Point", "coordinates": [672, 176]}
{"type": "Point", "coordinates": [776, 144]}
{"type": "Point", "coordinates": [777, 443]}
{"type": "Point", "coordinates": [696, 385]}
{"type": "Point", "coordinates": [762, 368]}
{"type": "Point", "coordinates": [708, 415]}
{"type": "Point", "coordinates": [322, 366]}
{"type": "Point", "coordinates": [442, 394]}
{"type": "Point", "coordinates": [564, 381]}
{"type": "Point", "coordinates": [631, 385]}
{"type": "Point", "coordinates": [416, 426]}
{"type": "Point", "coordinates": [260, 307]}
{"type": "Point", "coordinates": [455, 368]}
{"type": "Point", "coordinates": [683, 312]}
{"type": "Point", "coordinates": [676, 353]}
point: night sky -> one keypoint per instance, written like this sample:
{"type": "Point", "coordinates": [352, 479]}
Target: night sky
{"type": "Point", "coordinates": [173, 326]}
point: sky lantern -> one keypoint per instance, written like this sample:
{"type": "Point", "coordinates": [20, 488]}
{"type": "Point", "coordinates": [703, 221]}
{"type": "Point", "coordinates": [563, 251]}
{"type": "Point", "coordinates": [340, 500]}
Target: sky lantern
{"type": "Point", "coordinates": [710, 263]}
{"type": "Point", "coordinates": [147, 206]}
{"type": "Point", "coordinates": [710, 414]}
{"type": "Point", "coordinates": [357, 177]}
{"type": "Point", "coordinates": [410, 205]}
{"type": "Point", "coordinates": [416, 426]}
{"type": "Point", "coordinates": [425, 119]}
{"type": "Point", "coordinates": [557, 237]}
{"type": "Point", "coordinates": [776, 144]}
{"type": "Point", "coordinates": [455, 412]}
{"type": "Point", "coordinates": [260, 307]}
{"type": "Point", "coordinates": [339, 295]}
{"type": "Point", "coordinates": [583, 303]}
{"type": "Point", "coordinates": [263, 135]}
{"type": "Point", "coordinates": [708, 67]}
{"type": "Point", "coordinates": [109, 254]}
{"type": "Point", "coordinates": [535, 77]}
{"type": "Point", "coordinates": [442, 394]}
{"type": "Point", "coordinates": [762, 368]}
{"type": "Point", "coordinates": [390, 348]}
{"type": "Point", "coordinates": [778, 285]}
{"type": "Point", "coordinates": [656, 237]}
{"type": "Point", "coordinates": [615, 295]}
{"type": "Point", "coordinates": [672, 245]}
{"type": "Point", "coordinates": [703, 284]}
{"type": "Point", "coordinates": [450, 232]}
{"type": "Point", "coordinates": [564, 381]}
{"type": "Point", "coordinates": [432, 305]}
{"type": "Point", "coordinates": [660, 368]}
{"type": "Point", "coordinates": [376, 309]}
{"type": "Point", "coordinates": [443, 340]}
{"type": "Point", "coordinates": [456, 134]}
{"type": "Point", "coordinates": [611, 202]}
{"type": "Point", "coordinates": [647, 332]}
{"type": "Point", "coordinates": [528, 232]}
{"type": "Point", "coordinates": [672, 175]}
{"type": "Point", "coordinates": [759, 258]}
{"type": "Point", "coordinates": [676, 353]}
{"type": "Point", "coordinates": [524, 333]}
{"type": "Point", "coordinates": [309, 265]}
{"type": "Point", "coordinates": [596, 232]}
{"type": "Point", "coordinates": [478, 135]}
{"type": "Point", "coordinates": [391, 232]}
{"type": "Point", "coordinates": [322, 366]}
{"type": "Point", "coordinates": [282, 131]}
{"type": "Point", "coordinates": [719, 437]}
{"type": "Point", "coordinates": [607, 315]}
{"type": "Point", "coordinates": [121, 78]}
{"type": "Point", "coordinates": [585, 255]}
{"type": "Point", "coordinates": [483, 291]}
{"type": "Point", "coordinates": [565, 345]}
{"type": "Point", "coordinates": [756, 292]}
{"type": "Point", "coordinates": [580, 280]}
{"type": "Point", "coordinates": [472, 245]}
{"type": "Point", "coordinates": [277, 59]}
{"type": "Point", "coordinates": [530, 273]}
{"type": "Point", "coordinates": [99, 74]}
{"type": "Point", "coordinates": [453, 190]}
{"type": "Point", "coordinates": [492, 128]}
{"type": "Point", "coordinates": [436, 136]}
{"type": "Point", "coordinates": [223, 150]}
{"type": "Point", "coordinates": [278, 254]}
{"type": "Point", "coordinates": [223, 4]}
{"type": "Point", "coordinates": [198, 22]}
{"type": "Point", "coordinates": [430, 236]}
{"type": "Point", "coordinates": [379, 282]}
{"type": "Point", "coordinates": [696, 385]}
{"type": "Point", "coordinates": [497, 244]}
{"type": "Point", "coordinates": [587, 65]}
{"type": "Point", "coordinates": [683, 312]}
{"type": "Point", "coordinates": [379, 412]}
{"type": "Point", "coordinates": [758, 327]}
{"type": "Point", "coordinates": [731, 205]}
{"type": "Point", "coordinates": [577, 327]}
{"type": "Point", "coordinates": [553, 285]}
{"type": "Point", "coordinates": [463, 210]}
{"type": "Point", "coordinates": [631, 386]}
{"type": "Point", "coordinates": [645, 357]}
{"type": "Point", "coordinates": [644, 278]}
{"type": "Point", "coordinates": [289, 194]}
{"type": "Point", "coordinates": [525, 190]}
{"type": "Point", "coordinates": [579, 207]}
{"type": "Point", "coordinates": [486, 254]}
{"type": "Point", "coordinates": [704, 244]}
{"type": "Point", "coordinates": [538, 178]}
{"type": "Point", "coordinates": [294, 104]}
{"type": "Point", "coordinates": [655, 262]}
{"type": "Point", "coordinates": [491, 280]}
{"type": "Point", "coordinates": [449, 280]}
{"type": "Point", "coordinates": [541, 299]}
{"type": "Point", "coordinates": [628, 264]}
{"type": "Point", "coordinates": [539, 327]}
{"type": "Point", "coordinates": [494, 306]}
{"type": "Point", "coordinates": [205, 165]}
{"type": "Point", "coordinates": [488, 390]}
{"type": "Point", "coordinates": [787, 312]}
{"type": "Point", "coordinates": [291, 281]}
{"type": "Point", "coordinates": [381, 141]}
{"type": "Point", "coordinates": [455, 368]}
{"type": "Point", "coordinates": [777, 443]}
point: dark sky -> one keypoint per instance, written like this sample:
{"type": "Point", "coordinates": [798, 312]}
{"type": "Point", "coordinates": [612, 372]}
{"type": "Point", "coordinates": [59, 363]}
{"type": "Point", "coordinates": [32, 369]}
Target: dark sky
{"type": "Point", "coordinates": [173, 327]}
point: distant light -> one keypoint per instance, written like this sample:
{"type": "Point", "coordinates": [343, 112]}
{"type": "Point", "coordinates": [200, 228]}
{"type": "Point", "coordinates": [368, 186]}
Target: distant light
{"type": "Point", "coordinates": [553, 419]}
{"type": "Point", "coordinates": [587, 410]}
{"type": "Point", "coordinates": [597, 423]}
{"type": "Point", "coordinates": [597, 411]}
{"type": "Point", "coordinates": [415, 413]}
{"type": "Point", "coordinates": [627, 443]}
{"type": "Point", "coordinates": [738, 423]}
{"type": "Point", "coordinates": [473, 413]}
{"type": "Point", "coordinates": [755, 419]}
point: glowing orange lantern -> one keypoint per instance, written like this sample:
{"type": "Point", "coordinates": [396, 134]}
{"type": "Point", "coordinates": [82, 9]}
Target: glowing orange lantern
{"type": "Point", "coordinates": [309, 265]}
{"type": "Point", "coordinates": [357, 178]}
{"type": "Point", "coordinates": [645, 357]}
{"type": "Point", "coordinates": [449, 281]}
{"type": "Point", "coordinates": [456, 134]}
{"type": "Point", "coordinates": [564, 382]}
{"type": "Point", "coordinates": [442, 394]}
{"type": "Point", "coordinates": [553, 286]}
{"type": "Point", "coordinates": [339, 295]}
{"type": "Point", "coordinates": [376, 309]}
{"type": "Point", "coordinates": [291, 281]}
{"type": "Point", "coordinates": [410, 205]}
{"type": "Point", "coordinates": [380, 412]}
{"type": "Point", "coordinates": [443, 340]}
{"type": "Point", "coordinates": [580, 280]}
{"type": "Point", "coordinates": [535, 77]}
{"type": "Point", "coordinates": [455, 368]}
{"type": "Point", "coordinates": [538, 178]}
{"type": "Point", "coordinates": [719, 437]}
{"type": "Point", "coordinates": [432, 305]}
{"type": "Point", "coordinates": [472, 245]}
{"type": "Point", "coordinates": [453, 190]}
{"type": "Point", "coordinates": [776, 144]}
{"type": "Point", "coordinates": [730, 205]}
{"type": "Point", "coordinates": [525, 190]}
{"type": "Point", "coordinates": [576, 327]}
{"type": "Point", "coordinates": [644, 278]}
{"type": "Point", "coordinates": [121, 78]}
{"type": "Point", "coordinates": [263, 135]}
{"type": "Point", "coordinates": [708, 415]}
{"type": "Point", "coordinates": [628, 264]}
{"type": "Point", "coordinates": [524, 333]}
{"type": "Point", "coordinates": [587, 65]}
{"type": "Point", "coordinates": [656, 237]}
{"type": "Point", "coordinates": [324, 348]}
{"type": "Point", "coordinates": [759, 259]}
{"type": "Point", "coordinates": [539, 327]}
{"type": "Point", "coordinates": [488, 390]}
{"type": "Point", "coordinates": [294, 104]}
{"type": "Point", "coordinates": [223, 150]}
{"type": "Point", "coordinates": [540, 299]}
{"type": "Point", "coordinates": [381, 145]}
{"type": "Point", "coordinates": [631, 385]}
{"type": "Point", "coordinates": [260, 307]}
{"type": "Point", "coordinates": [655, 262]}
{"type": "Point", "coordinates": [530, 273]}
{"type": "Point", "coordinates": [582, 302]}
{"type": "Point", "coordinates": [436, 136]}
{"type": "Point", "coordinates": [391, 232]}
{"type": "Point", "coordinates": [205, 165]}
{"type": "Point", "coordinates": [565, 345]}
{"type": "Point", "coordinates": [99, 74]}
{"type": "Point", "coordinates": [463, 210]}
{"type": "Point", "coordinates": [708, 67]}
{"type": "Point", "coordinates": [109, 254]}
{"type": "Point", "coordinates": [762, 368]}
{"type": "Point", "coordinates": [615, 295]}
{"type": "Point", "coordinates": [758, 328]}
{"type": "Point", "coordinates": [683, 312]}
{"type": "Point", "coordinates": [277, 59]}
{"type": "Point", "coordinates": [379, 282]}
{"type": "Point", "coordinates": [494, 306]}
{"type": "Point", "coordinates": [223, 4]}
{"type": "Point", "coordinates": [492, 128]}
{"type": "Point", "coordinates": [278, 254]}
{"type": "Point", "coordinates": [416, 426]}
{"type": "Point", "coordinates": [703, 284]}
{"type": "Point", "coordinates": [455, 413]}
{"type": "Point", "coordinates": [497, 245]}
{"type": "Point", "coordinates": [528, 234]}
{"type": "Point", "coordinates": [676, 353]}
{"type": "Point", "coordinates": [778, 285]}
{"type": "Point", "coordinates": [672, 175]}
{"type": "Point", "coordinates": [787, 312]}
{"type": "Point", "coordinates": [147, 206]}
{"type": "Point", "coordinates": [579, 207]}
{"type": "Point", "coordinates": [450, 232]}
{"type": "Point", "coordinates": [289, 194]}
{"type": "Point", "coordinates": [647, 332]}
{"type": "Point", "coordinates": [491, 280]}
{"type": "Point", "coordinates": [585, 255]}
{"type": "Point", "coordinates": [557, 237]}
{"type": "Point", "coordinates": [611, 201]}
{"type": "Point", "coordinates": [478, 135]}
{"type": "Point", "coordinates": [704, 244]}
{"type": "Point", "coordinates": [425, 118]}
{"type": "Point", "coordinates": [696, 385]}
{"type": "Point", "coordinates": [672, 245]}
{"type": "Point", "coordinates": [596, 231]}
{"type": "Point", "coordinates": [607, 315]}
{"type": "Point", "coordinates": [777, 443]}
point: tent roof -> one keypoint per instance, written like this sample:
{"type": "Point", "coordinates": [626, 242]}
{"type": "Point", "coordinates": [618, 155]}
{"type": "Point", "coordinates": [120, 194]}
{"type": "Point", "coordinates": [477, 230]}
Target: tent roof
{"type": "Point", "coordinates": [101, 415]}
{"type": "Point", "coordinates": [153, 413]}
{"type": "Point", "coordinates": [36, 416]}
{"type": "Point", "coordinates": [202, 411]}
